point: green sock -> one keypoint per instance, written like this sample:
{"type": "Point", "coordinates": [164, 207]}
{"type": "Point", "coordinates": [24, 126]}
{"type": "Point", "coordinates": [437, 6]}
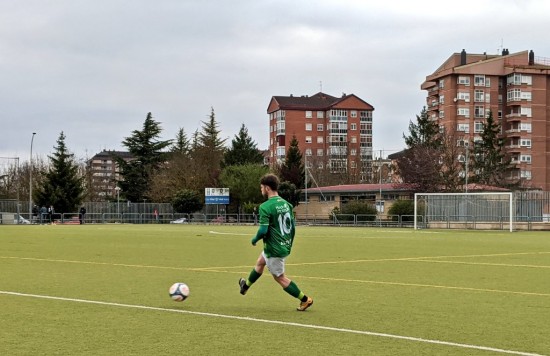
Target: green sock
{"type": "Point", "coordinates": [252, 277]}
{"type": "Point", "coordinates": [293, 290]}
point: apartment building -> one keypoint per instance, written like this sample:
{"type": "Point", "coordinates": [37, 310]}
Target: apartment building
{"type": "Point", "coordinates": [104, 173]}
{"type": "Point", "coordinates": [515, 88]}
{"type": "Point", "coordinates": [334, 134]}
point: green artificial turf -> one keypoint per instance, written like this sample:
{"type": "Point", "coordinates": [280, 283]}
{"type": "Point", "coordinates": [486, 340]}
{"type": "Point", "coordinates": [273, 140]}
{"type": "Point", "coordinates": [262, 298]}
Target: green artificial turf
{"type": "Point", "coordinates": [103, 290]}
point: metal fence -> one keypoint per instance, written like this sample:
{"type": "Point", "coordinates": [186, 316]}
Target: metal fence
{"type": "Point", "coordinates": [531, 211]}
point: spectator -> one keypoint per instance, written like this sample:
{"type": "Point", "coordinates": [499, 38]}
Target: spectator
{"type": "Point", "coordinates": [51, 211]}
{"type": "Point", "coordinates": [43, 213]}
{"type": "Point", "coordinates": [81, 215]}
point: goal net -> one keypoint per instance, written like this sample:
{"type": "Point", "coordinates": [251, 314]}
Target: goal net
{"type": "Point", "coordinates": [492, 211]}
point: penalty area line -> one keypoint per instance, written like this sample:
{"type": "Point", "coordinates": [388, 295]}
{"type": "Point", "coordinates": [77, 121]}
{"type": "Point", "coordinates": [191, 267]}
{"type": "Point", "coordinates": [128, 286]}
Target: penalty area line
{"type": "Point", "coordinates": [275, 322]}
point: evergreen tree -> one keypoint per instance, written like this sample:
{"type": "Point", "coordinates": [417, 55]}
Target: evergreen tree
{"type": "Point", "coordinates": [243, 150]}
{"type": "Point", "coordinates": [181, 145]}
{"type": "Point", "coordinates": [420, 164]}
{"type": "Point", "coordinates": [62, 186]}
{"type": "Point", "coordinates": [425, 132]}
{"type": "Point", "coordinates": [292, 170]}
{"type": "Point", "coordinates": [148, 155]}
{"type": "Point", "coordinates": [490, 161]}
{"type": "Point", "coordinates": [187, 201]}
{"type": "Point", "coordinates": [208, 153]}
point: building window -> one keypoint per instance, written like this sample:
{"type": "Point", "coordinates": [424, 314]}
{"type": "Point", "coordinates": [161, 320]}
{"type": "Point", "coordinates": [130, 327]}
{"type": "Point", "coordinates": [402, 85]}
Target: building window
{"type": "Point", "coordinates": [308, 151]}
{"type": "Point", "coordinates": [478, 127]}
{"type": "Point", "coordinates": [513, 95]}
{"type": "Point", "coordinates": [442, 99]}
{"type": "Point", "coordinates": [479, 111]}
{"type": "Point", "coordinates": [309, 127]}
{"type": "Point", "coordinates": [441, 114]}
{"type": "Point", "coordinates": [320, 114]}
{"type": "Point", "coordinates": [353, 126]}
{"type": "Point", "coordinates": [525, 142]}
{"type": "Point", "coordinates": [525, 127]}
{"type": "Point", "coordinates": [463, 127]}
{"type": "Point", "coordinates": [353, 113]}
{"type": "Point", "coordinates": [525, 174]}
{"type": "Point", "coordinates": [353, 139]}
{"type": "Point", "coordinates": [525, 111]}
{"type": "Point", "coordinates": [353, 152]}
{"type": "Point", "coordinates": [320, 127]}
{"type": "Point", "coordinates": [525, 158]}
{"type": "Point", "coordinates": [463, 112]}
{"type": "Point", "coordinates": [308, 139]}
{"type": "Point", "coordinates": [479, 80]}
{"type": "Point", "coordinates": [309, 114]}
{"type": "Point", "coordinates": [478, 96]}
{"type": "Point", "coordinates": [319, 139]}
{"type": "Point", "coordinates": [320, 152]}
{"type": "Point", "coordinates": [463, 96]}
{"type": "Point", "coordinates": [463, 80]}
{"type": "Point", "coordinates": [366, 116]}
{"type": "Point", "coordinates": [353, 164]}
{"type": "Point", "coordinates": [442, 83]}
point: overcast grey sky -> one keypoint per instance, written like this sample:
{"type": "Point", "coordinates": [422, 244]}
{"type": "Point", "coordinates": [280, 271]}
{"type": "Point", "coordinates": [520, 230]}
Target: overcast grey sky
{"type": "Point", "coordinates": [95, 68]}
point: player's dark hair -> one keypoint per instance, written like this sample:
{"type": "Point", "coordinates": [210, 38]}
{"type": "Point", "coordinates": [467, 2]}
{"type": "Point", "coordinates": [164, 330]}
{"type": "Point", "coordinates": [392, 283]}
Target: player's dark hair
{"type": "Point", "coordinates": [270, 180]}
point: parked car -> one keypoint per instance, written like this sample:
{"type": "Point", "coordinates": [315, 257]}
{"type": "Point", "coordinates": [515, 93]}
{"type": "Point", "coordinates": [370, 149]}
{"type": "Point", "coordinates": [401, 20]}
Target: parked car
{"type": "Point", "coordinates": [179, 221]}
{"type": "Point", "coordinates": [20, 220]}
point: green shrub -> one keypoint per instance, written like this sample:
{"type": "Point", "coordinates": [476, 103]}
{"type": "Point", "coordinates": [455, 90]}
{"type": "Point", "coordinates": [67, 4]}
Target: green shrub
{"type": "Point", "coordinates": [356, 208]}
{"type": "Point", "coordinates": [402, 207]}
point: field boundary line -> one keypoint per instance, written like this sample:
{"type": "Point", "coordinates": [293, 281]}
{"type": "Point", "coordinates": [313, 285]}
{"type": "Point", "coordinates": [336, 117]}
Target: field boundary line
{"type": "Point", "coordinates": [277, 322]}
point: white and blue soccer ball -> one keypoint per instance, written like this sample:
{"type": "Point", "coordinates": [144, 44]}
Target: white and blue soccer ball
{"type": "Point", "coordinates": [179, 292]}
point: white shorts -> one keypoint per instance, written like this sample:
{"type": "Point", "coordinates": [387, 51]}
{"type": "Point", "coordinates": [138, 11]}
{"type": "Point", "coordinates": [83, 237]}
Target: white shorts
{"type": "Point", "coordinates": [276, 265]}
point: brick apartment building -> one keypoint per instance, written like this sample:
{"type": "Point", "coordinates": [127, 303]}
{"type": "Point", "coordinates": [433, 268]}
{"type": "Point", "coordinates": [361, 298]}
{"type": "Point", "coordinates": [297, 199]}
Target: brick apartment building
{"type": "Point", "coordinates": [515, 87]}
{"type": "Point", "coordinates": [334, 134]}
{"type": "Point", "coordinates": [104, 173]}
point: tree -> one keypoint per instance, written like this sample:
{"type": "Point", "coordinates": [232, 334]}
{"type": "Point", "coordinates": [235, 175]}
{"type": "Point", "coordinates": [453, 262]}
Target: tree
{"type": "Point", "coordinates": [148, 155]}
{"type": "Point", "coordinates": [181, 145]}
{"type": "Point", "coordinates": [186, 201]}
{"type": "Point", "coordinates": [243, 182]}
{"type": "Point", "coordinates": [62, 186]}
{"type": "Point", "coordinates": [208, 153]}
{"type": "Point", "coordinates": [424, 133]}
{"type": "Point", "coordinates": [292, 170]}
{"type": "Point", "coordinates": [419, 165]}
{"type": "Point", "coordinates": [243, 150]}
{"type": "Point", "coordinates": [288, 192]}
{"type": "Point", "coordinates": [490, 161]}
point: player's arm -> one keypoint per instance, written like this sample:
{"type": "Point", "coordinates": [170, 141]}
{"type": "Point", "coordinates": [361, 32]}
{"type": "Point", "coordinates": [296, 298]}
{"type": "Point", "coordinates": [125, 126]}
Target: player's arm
{"type": "Point", "coordinates": [262, 231]}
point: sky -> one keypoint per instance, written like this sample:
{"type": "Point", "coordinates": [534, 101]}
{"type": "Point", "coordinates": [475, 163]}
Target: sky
{"type": "Point", "coordinates": [93, 69]}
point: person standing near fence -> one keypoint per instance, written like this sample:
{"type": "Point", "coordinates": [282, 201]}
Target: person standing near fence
{"type": "Point", "coordinates": [82, 214]}
{"type": "Point", "coordinates": [277, 229]}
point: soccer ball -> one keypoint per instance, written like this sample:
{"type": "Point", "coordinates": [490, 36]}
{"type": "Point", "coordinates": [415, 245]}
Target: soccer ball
{"type": "Point", "coordinates": [179, 292]}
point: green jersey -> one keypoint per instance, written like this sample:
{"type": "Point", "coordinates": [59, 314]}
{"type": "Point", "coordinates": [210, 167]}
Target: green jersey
{"type": "Point", "coordinates": [276, 214]}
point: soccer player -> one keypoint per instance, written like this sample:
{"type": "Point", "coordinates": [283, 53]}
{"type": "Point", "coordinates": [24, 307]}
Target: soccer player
{"type": "Point", "coordinates": [277, 229]}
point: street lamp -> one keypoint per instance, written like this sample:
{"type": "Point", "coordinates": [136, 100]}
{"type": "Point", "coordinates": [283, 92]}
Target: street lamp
{"type": "Point", "coordinates": [30, 181]}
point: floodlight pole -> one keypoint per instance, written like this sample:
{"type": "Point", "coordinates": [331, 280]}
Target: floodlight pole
{"type": "Point", "coordinates": [30, 180]}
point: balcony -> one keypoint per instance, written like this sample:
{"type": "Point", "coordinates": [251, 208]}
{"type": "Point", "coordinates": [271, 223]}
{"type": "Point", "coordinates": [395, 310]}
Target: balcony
{"type": "Point", "coordinates": [514, 132]}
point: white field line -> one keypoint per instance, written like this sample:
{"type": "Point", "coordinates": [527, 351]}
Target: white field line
{"type": "Point", "coordinates": [277, 322]}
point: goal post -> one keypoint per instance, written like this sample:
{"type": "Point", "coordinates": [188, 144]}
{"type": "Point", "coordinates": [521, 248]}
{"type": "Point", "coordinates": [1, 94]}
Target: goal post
{"type": "Point", "coordinates": [491, 210]}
